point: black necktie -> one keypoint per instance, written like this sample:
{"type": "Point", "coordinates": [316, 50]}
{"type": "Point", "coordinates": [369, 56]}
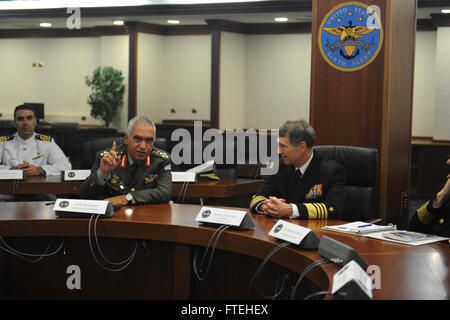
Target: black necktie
{"type": "Point", "coordinates": [298, 175]}
{"type": "Point", "coordinates": [134, 168]}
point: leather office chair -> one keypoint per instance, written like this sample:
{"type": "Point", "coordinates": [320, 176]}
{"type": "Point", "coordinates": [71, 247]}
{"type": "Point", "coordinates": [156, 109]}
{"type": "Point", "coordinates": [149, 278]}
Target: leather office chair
{"type": "Point", "coordinates": [61, 132]}
{"type": "Point", "coordinates": [91, 147]}
{"type": "Point", "coordinates": [361, 190]}
{"type": "Point", "coordinates": [78, 137]}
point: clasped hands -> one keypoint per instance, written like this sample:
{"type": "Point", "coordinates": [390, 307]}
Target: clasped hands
{"type": "Point", "coordinates": [29, 169]}
{"type": "Point", "coordinates": [276, 207]}
{"type": "Point", "coordinates": [107, 164]}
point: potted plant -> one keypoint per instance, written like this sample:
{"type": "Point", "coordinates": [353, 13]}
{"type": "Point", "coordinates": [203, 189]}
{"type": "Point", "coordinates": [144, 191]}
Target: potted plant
{"type": "Point", "coordinates": [107, 97]}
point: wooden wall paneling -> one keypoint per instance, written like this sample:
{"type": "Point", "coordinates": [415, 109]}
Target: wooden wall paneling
{"type": "Point", "coordinates": [132, 69]}
{"type": "Point", "coordinates": [400, 29]}
{"type": "Point", "coordinates": [370, 107]}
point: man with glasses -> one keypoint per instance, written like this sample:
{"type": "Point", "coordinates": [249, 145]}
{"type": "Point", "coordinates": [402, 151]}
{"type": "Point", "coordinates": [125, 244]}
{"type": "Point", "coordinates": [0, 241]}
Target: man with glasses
{"type": "Point", "coordinates": [134, 172]}
{"type": "Point", "coordinates": [36, 154]}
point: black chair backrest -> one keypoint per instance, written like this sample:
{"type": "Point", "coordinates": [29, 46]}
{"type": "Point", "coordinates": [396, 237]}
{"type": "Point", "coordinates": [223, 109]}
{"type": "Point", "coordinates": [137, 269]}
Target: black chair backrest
{"type": "Point", "coordinates": [91, 147]}
{"type": "Point", "coordinates": [65, 125]}
{"type": "Point", "coordinates": [78, 137]}
{"type": "Point", "coordinates": [361, 190]}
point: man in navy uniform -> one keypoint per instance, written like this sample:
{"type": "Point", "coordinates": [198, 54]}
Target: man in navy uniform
{"type": "Point", "coordinates": [434, 216]}
{"type": "Point", "coordinates": [26, 150]}
{"type": "Point", "coordinates": [134, 172]}
{"type": "Point", "coordinates": [305, 186]}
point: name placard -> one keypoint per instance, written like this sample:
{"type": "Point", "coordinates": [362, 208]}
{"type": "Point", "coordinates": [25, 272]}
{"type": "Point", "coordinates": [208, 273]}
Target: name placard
{"type": "Point", "coordinates": [12, 175]}
{"type": "Point", "coordinates": [75, 175]}
{"type": "Point", "coordinates": [289, 232]}
{"type": "Point", "coordinates": [352, 273]}
{"type": "Point", "coordinates": [237, 218]}
{"type": "Point", "coordinates": [183, 176]}
{"type": "Point", "coordinates": [82, 206]}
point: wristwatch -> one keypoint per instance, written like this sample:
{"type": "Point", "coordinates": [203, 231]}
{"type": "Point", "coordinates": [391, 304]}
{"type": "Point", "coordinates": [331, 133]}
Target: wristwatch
{"type": "Point", "coordinates": [129, 197]}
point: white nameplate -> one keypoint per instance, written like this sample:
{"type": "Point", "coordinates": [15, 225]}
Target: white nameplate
{"type": "Point", "coordinates": [178, 176]}
{"type": "Point", "coordinates": [205, 167]}
{"type": "Point", "coordinates": [221, 216]}
{"type": "Point", "coordinates": [81, 206]}
{"type": "Point", "coordinates": [352, 272]}
{"type": "Point", "coordinates": [12, 175]}
{"type": "Point", "coordinates": [289, 232]}
{"type": "Point", "coordinates": [74, 175]}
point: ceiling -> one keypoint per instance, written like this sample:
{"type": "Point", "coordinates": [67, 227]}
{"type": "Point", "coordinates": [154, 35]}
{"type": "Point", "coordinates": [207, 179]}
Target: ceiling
{"type": "Point", "coordinates": [159, 11]}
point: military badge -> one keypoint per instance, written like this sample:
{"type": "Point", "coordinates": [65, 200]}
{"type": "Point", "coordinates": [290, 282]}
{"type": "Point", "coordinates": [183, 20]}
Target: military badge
{"type": "Point", "coordinates": [350, 36]}
{"type": "Point", "coordinates": [314, 192]}
{"type": "Point", "coordinates": [150, 178]}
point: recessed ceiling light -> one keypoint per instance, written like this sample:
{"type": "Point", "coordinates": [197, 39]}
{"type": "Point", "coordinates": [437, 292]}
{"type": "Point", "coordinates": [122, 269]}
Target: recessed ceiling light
{"type": "Point", "coordinates": [445, 10]}
{"type": "Point", "coordinates": [173, 21]}
{"type": "Point", "coordinates": [118, 22]}
{"type": "Point", "coordinates": [281, 19]}
{"type": "Point", "coordinates": [45, 24]}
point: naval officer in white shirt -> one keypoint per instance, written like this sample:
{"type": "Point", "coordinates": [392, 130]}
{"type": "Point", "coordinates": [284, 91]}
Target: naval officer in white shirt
{"type": "Point", "coordinates": [36, 154]}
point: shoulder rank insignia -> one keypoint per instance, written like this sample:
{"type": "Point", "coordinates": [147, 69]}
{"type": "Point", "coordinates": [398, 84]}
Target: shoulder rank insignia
{"type": "Point", "coordinates": [6, 138]}
{"type": "Point", "coordinates": [160, 153]}
{"type": "Point", "coordinates": [43, 137]}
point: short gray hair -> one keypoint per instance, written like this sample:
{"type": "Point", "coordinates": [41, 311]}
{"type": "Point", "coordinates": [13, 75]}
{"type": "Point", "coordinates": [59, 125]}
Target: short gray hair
{"type": "Point", "coordinates": [298, 131]}
{"type": "Point", "coordinates": [142, 121]}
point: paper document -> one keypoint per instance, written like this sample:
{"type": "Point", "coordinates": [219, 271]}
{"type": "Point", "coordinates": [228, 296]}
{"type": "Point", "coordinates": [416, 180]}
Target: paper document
{"type": "Point", "coordinates": [359, 228]}
{"type": "Point", "coordinates": [406, 237]}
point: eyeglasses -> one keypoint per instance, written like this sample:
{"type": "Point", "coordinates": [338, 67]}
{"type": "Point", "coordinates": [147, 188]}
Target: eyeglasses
{"type": "Point", "coordinates": [29, 118]}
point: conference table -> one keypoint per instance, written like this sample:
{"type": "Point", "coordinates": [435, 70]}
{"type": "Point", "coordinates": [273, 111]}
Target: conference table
{"type": "Point", "coordinates": [166, 239]}
{"type": "Point", "coordinates": [230, 192]}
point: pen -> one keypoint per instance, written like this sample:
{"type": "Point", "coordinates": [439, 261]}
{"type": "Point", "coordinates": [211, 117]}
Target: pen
{"type": "Point", "coordinates": [49, 203]}
{"type": "Point", "coordinates": [365, 225]}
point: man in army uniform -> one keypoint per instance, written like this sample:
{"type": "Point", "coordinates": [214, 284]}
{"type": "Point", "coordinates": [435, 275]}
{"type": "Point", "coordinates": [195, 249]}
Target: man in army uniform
{"type": "Point", "coordinates": [131, 173]}
{"type": "Point", "coordinates": [36, 154]}
{"type": "Point", "coordinates": [305, 186]}
{"type": "Point", "coordinates": [434, 216]}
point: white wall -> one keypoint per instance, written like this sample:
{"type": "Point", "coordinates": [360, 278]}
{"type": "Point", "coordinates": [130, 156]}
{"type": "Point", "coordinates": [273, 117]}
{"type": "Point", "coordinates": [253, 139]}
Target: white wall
{"type": "Point", "coordinates": [424, 79]}
{"type": "Point", "coordinates": [174, 72]}
{"type": "Point", "coordinates": [278, 72]}
{"type": "Point", "coordinates": [149, 75]}
{"type": "Point", "coordinates": [232, 81]}
{"type": "Point", "coordinates": [431, 104]}
{"type": "Point", "coordinates": [442, 92]}
{"type": "Point", "coordinates": [60, 83]}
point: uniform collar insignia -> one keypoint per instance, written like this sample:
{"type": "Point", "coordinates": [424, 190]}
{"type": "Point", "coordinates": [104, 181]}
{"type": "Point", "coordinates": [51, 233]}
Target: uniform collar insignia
{"type": "Point", "coordinates": [123, 161]}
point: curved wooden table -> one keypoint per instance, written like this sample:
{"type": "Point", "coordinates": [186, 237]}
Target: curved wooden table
{"type": "Point", "coordinates": [167, 237]}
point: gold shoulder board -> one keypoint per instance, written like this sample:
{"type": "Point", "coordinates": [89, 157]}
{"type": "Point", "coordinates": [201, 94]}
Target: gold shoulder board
{"type": "Point", "coordinates": [6, 138]}
{"type": "Point", "coordinates": [160, 153]}
{"type": "Point", "coordinates": [43, 137]}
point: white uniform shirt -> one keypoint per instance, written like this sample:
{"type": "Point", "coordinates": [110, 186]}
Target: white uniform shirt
{"type": "Point", "coordinates": [39, 151]}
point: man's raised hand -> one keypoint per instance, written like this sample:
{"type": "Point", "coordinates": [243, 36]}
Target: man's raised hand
{"type": "Point", "coordinates": [110, 161]}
